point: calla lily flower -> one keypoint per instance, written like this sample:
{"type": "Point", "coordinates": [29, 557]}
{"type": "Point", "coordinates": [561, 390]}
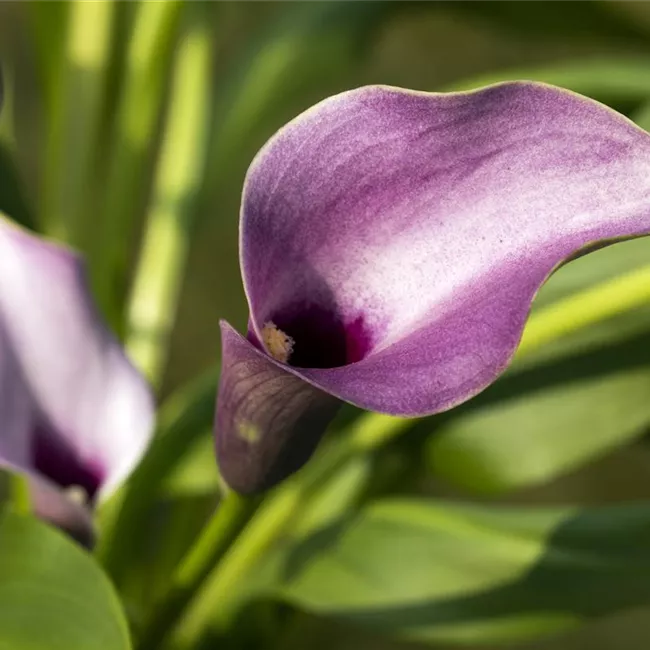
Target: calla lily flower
{"type": "Point", "coordinates": [391, 245]}
{"type": "Point", "coordinates": [76, 415]}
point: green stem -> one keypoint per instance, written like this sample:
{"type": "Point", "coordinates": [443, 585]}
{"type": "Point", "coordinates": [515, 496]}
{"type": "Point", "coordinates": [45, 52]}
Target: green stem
{"type": "Point", "coordinates": [49, 25]}
{"type": "Point", "coordinates": [231, 515]}
{"type": "Point", "coordinates": [153, 301]}
{"type": "Point", "coordinates": [220, 584]}
{"type": "Point", "coordinates": [216, 574]}
{"type": "Point", "coordinates": [273, 517]}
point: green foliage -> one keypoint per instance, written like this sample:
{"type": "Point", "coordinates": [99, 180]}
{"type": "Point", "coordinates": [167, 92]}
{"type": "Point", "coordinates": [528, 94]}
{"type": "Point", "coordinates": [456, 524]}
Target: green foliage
{"type": "Point", "coordinates": [135, 150]}
{"type": "Point", "coordinates": [52, 594]}
{"type": "Point", "coordinates": [464, 573]}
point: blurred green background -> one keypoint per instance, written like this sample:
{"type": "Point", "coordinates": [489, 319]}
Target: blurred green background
{"type": "Point", "coordinates": [569, 423]}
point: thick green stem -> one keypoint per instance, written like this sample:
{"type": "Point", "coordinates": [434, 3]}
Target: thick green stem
{"type": "Point", "coordinates": [216, 575]}
{"type": "Point", "coordinates": [153, 301]}
{"type": "Point", "coordinates": [220, 584]}
{"type": "Point", "coordinates": [232, 514]}
{"type": "Point", "coordinates": [272, 518]}
{"type": "Point", "coordinates": [14, 493]}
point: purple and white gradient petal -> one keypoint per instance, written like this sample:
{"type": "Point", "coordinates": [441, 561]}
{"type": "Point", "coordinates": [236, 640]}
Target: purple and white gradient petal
{"type": "Point", "coordinates": [76, 413]}
{"type": "Point", "coordinates": [392, 243]}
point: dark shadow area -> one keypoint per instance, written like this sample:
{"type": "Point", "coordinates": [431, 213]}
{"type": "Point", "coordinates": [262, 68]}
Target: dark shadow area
{"type": "Point", "coordinates": [13, 201]}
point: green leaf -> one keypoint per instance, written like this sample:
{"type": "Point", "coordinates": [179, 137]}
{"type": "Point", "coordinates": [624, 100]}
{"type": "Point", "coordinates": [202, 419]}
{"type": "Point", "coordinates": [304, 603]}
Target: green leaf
{"type": "Point", "coordinates": [612, 80]}
{"type": "Point", "coordinates": [149, 39]}
{"type": "Point", "coordinates": [152, 305]}
{"type": "Point", "coordinates": [566, 405]}
{"type": "Point", "coordinates": [336, 497]}
{"type": "Point", "coordinates": [472, 574]}
{"type": "Point", "coordinates": [52, 594]}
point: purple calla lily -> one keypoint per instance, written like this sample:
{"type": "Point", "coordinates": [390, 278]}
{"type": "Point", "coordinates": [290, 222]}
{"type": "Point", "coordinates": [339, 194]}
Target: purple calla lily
{"type": "Point", "coordinates": [76, 415]}
{"type": "Point", "coordinates": [391, 245]}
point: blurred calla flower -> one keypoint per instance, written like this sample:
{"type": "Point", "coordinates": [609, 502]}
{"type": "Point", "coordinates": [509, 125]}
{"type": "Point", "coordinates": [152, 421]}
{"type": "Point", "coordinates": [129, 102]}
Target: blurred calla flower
{"type": "Point", "coordinates": [76, 415]}
{"type": "Point", "coordinates": [391, 245]}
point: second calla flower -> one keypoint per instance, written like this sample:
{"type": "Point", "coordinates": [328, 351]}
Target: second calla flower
{"type": "Point", "coordinates": [76, 415]}
{"type": "Point", "coordinates": [391, 245]}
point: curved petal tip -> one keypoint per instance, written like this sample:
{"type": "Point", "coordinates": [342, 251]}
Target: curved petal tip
{"type": "Point", "coordinates": [268, 421]}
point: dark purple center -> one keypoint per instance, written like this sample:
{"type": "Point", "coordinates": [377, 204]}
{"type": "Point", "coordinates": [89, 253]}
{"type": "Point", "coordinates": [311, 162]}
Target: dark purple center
{"type": "Point", "coordinates": [54, 459]}
{"type": "Point", "coordinates": [321, 338]}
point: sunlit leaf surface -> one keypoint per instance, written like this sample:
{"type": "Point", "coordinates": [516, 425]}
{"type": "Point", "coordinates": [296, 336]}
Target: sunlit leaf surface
{"type": "Point", "coordinates": [443, 571]}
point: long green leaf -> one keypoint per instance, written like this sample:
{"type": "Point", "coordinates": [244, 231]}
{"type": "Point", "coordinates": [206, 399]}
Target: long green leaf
{"type": "Point", "coordinates": [472, 574]}
{"type": "Point", "coordinates": [169, 226]}
{"type": "Point", "coordinates": [137, 114]}
{"type": "Point", "coordinates": [74, 118]}
{"type": "Point", "coordinates": [52, 595]}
